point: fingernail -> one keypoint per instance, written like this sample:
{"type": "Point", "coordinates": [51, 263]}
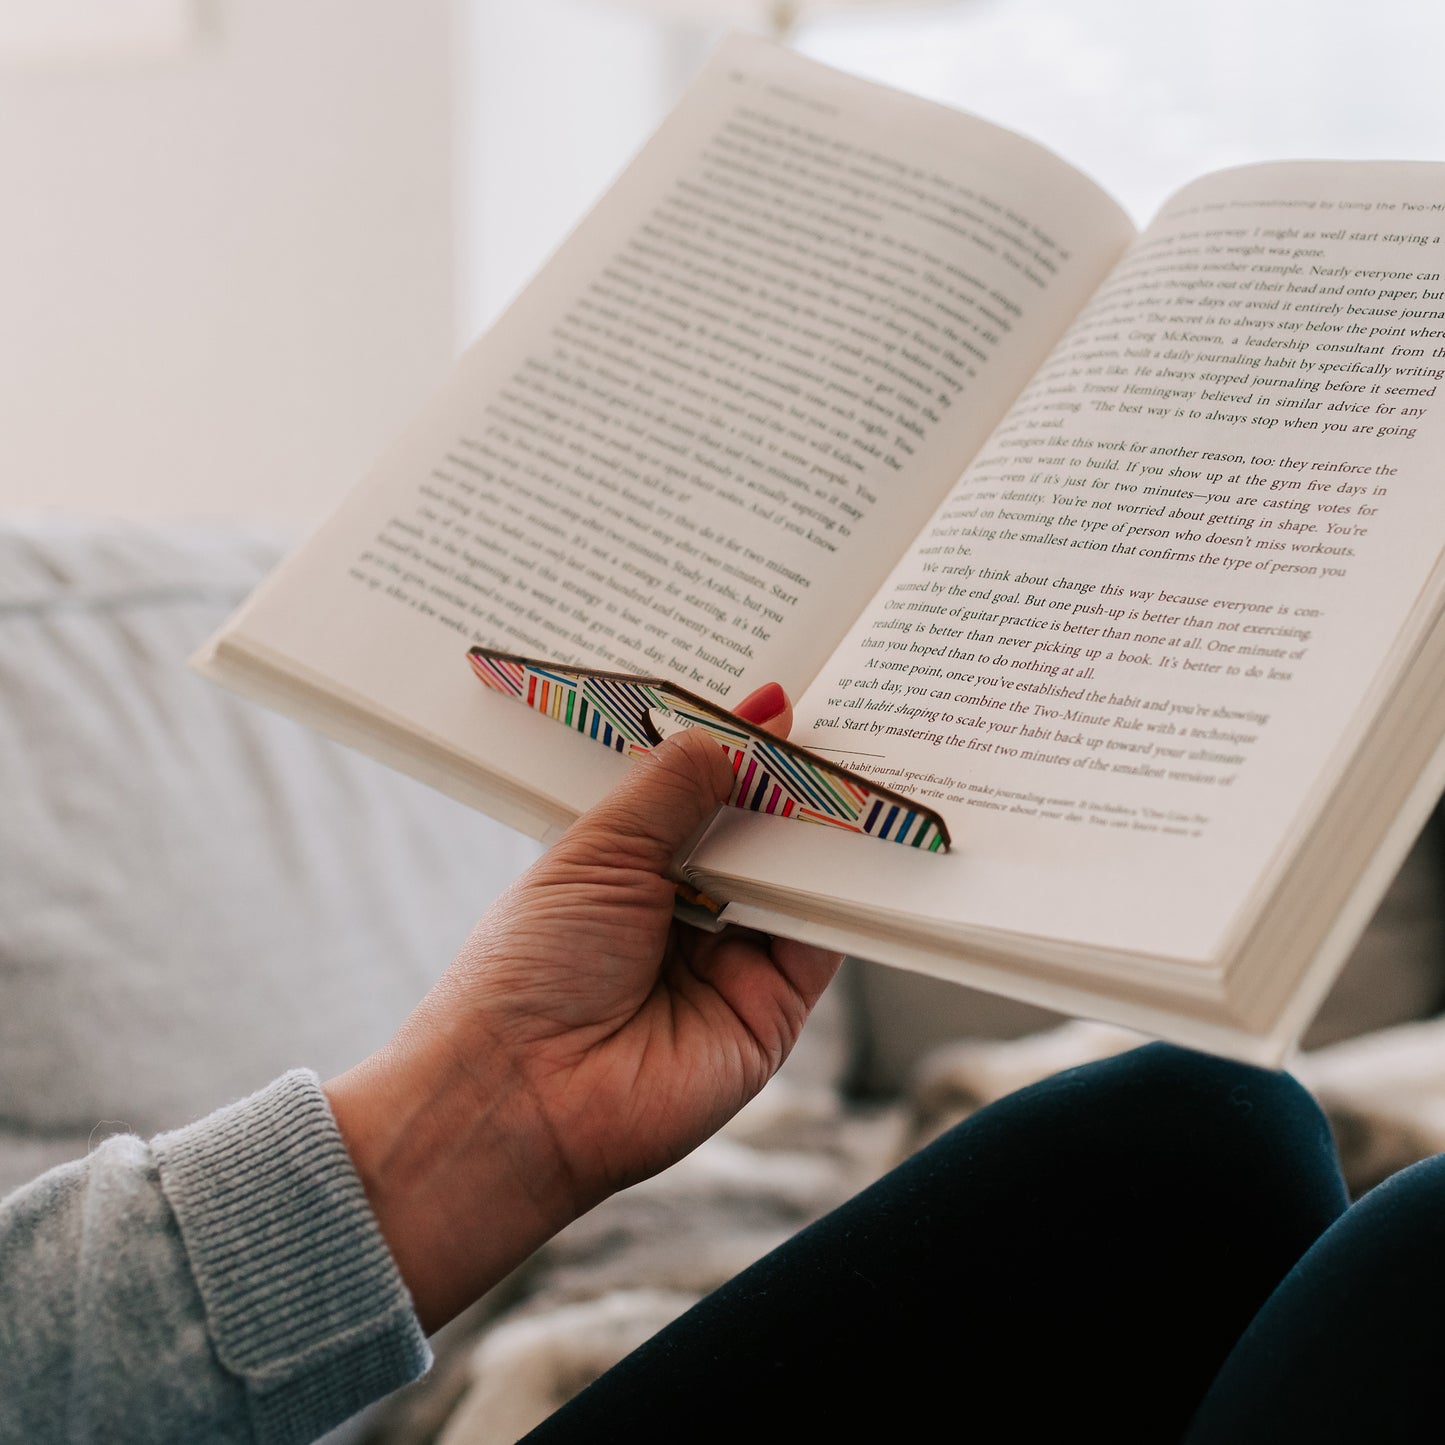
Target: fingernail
{"type": "Point", "coordinates": [763, 705]}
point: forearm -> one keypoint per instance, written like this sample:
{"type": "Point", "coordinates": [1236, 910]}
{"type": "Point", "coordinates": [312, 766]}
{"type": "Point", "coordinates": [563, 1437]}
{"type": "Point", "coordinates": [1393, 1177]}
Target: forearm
{"type": "Point", "coordinates": [225, 1282]}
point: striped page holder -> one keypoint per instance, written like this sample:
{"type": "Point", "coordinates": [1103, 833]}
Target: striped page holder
{"type": "Point", "coordinates": [632, 714]}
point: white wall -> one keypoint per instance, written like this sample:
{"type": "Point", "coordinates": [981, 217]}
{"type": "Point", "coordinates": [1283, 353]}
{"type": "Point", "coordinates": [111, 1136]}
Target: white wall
{"type": "Point", "coordinates": [559, 94]}
{"type": "Point", "coordinates": [1145, 96]}
{"type": "Point", "coordinates": [226, 274]}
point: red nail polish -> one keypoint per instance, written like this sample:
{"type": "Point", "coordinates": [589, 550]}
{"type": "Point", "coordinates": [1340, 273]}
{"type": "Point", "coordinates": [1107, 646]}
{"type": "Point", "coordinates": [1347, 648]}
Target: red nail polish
{"type": "Point", "coordinates": [763, 705]}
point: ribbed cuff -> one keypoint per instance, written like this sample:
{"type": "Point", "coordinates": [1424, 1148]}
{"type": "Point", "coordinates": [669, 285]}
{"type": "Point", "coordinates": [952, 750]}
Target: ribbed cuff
{"type": "Point", "coordinates": [302, 1298]}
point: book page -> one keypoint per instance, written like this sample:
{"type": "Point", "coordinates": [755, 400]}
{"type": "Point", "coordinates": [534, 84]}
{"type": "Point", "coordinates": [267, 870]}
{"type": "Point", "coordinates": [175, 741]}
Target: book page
{"type": "Point", "coordinates": [1141, 633]}
{"type": "Point", "coordinates": [698, 441]}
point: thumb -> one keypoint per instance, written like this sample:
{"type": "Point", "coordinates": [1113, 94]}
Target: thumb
{"type": "Point", "coordinates": [656, 810]}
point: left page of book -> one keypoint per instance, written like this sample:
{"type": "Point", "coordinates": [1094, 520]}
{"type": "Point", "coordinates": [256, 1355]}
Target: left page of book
{"type": "Point", "coordinates": [698, 441]}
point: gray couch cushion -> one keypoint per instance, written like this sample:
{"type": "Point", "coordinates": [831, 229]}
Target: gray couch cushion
{"type": "Point", "coordinates": [194, 894]}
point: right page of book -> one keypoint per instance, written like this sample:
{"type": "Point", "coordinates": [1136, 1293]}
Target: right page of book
{"type": "Point", "coordinates": [1147, 621]}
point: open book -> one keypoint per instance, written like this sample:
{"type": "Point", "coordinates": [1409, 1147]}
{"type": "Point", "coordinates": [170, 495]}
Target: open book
{"type": "Point", "coordinates": [1121, 549]}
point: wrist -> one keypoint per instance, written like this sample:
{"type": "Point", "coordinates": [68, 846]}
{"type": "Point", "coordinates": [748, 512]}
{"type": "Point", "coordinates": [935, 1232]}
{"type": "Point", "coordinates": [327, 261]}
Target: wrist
{"type": "Point", "coordinates": [460, 1186]}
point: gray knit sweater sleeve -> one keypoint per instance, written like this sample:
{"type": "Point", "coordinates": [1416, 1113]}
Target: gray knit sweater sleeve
{"type": "Point", "coordinates": [226, 1282]}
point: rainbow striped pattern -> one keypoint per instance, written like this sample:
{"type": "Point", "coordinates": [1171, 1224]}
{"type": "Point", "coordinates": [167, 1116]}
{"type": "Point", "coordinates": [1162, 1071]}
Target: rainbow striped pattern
{"type": "Point", "coordinates": [771, 775]}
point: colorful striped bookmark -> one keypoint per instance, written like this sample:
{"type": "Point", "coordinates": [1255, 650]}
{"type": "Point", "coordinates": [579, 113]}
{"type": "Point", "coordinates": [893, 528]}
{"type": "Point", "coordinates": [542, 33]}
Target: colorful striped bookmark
{"type": "Point", "coordinates": [631, 714]}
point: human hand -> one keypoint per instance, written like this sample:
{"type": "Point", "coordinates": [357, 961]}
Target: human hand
{"type": "Point", "coordinates": [581, 1041]}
